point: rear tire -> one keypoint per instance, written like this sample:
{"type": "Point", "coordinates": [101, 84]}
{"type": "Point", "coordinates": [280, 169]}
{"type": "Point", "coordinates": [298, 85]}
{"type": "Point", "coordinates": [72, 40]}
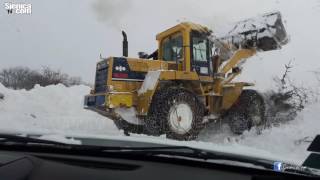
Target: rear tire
{"type": "Point", "coordinates": [175, 112]}
{"type": "Point", "coordinates": [247, 112]}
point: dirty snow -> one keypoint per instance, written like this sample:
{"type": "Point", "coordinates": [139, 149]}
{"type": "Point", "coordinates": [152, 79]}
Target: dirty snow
{"type": "Point", "coordinates": [57, 110]}
{"type": "Point", "coordinates": [128, 114]}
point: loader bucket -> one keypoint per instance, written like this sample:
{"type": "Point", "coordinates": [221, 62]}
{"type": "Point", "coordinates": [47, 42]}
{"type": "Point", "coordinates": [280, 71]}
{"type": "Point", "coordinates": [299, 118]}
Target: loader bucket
{"type": "Point", "coordinates": [265, 33]}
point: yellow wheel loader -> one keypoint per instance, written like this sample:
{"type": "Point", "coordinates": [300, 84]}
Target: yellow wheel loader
{"type": "Point", "coordinates": [187, 82]}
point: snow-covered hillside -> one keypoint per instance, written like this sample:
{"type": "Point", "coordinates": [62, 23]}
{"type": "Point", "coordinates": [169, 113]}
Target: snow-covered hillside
{"type": "Point", "coordinates": [58, 110]}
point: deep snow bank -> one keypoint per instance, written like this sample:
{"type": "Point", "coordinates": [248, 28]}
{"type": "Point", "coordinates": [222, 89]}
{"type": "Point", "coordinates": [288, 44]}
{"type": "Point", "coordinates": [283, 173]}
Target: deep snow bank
{"type": "Point", "coordinates": [50, 109]}
{"type": "Point", "coordinates": [58, 109]}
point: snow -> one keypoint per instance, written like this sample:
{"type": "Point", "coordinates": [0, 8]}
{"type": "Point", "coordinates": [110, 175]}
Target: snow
{"type": "Point", "coordinates": [128, 114]}
{"type": "Point", "coordinates": [287, 140]}
{"type": "Point", "coordinates": [260, 22]}
{"type": "Point", "coordinates": [150, 81]}
{"type": "Point", "coordinates": [56, 111]}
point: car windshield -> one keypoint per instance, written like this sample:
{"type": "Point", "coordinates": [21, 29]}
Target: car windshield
{"type": "Point", "coordinates": [241, 77]}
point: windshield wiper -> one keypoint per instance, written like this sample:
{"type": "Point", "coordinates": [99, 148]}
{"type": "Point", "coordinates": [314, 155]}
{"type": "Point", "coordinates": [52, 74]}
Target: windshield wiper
{"type": "Point", "coordinates": [183, 151]}
{"type": "Point", "coordinates": [9, 139]}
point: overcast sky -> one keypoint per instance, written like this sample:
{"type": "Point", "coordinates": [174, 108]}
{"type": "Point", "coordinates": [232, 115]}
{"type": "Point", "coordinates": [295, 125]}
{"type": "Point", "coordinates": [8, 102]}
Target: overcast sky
{"type": "Point", "coordinates": [70, 35]}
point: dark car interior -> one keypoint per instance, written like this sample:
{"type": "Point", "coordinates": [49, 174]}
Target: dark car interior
{"type": "Point", "coordinates": [28, 162]}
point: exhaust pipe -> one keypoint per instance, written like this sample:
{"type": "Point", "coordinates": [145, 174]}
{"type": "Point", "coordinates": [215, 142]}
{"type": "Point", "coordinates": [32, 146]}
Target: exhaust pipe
{"type": "Point", "coordinates": [124, 45]}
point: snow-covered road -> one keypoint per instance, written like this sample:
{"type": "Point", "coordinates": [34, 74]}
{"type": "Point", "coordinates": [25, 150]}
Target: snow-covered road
{"type": "Point", "coordinates": [59, 110]}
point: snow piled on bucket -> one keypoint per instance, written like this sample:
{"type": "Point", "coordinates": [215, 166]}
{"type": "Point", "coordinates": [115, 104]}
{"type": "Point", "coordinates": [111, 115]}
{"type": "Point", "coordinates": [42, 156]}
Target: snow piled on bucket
{"type": "Point", "coordinates": [59, 110]}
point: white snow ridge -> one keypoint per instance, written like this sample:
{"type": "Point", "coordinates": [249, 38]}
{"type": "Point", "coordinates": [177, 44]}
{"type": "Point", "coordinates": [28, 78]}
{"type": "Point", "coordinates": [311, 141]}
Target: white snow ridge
{"type": "Point", "coordinates": [53, 108]}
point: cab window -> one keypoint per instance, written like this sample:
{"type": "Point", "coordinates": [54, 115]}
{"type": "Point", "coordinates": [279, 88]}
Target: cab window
{"type": "Point", "coordinates": [172, 48]}
{"type": "Point", "coordinates": [199, 49]}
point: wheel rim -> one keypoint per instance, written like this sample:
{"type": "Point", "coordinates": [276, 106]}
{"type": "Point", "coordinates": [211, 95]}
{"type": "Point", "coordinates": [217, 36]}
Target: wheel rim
{"type": "Point", "coordinates": [180, 118]}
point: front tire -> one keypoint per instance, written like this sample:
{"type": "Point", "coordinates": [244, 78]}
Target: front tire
{"type": "Point", "coordinates": [175, 112]}
{"type": "Point", "coordinates": [247, 112]}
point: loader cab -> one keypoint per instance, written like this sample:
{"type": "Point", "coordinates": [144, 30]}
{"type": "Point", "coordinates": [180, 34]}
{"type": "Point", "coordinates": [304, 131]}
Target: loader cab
{"type": "Point", "coordinates": [188, 46]}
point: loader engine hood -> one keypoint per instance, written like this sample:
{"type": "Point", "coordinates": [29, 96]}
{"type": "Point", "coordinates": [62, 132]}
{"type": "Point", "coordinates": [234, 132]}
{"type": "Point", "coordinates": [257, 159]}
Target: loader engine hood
{"type": "Point", "coordinates": [121, 71]}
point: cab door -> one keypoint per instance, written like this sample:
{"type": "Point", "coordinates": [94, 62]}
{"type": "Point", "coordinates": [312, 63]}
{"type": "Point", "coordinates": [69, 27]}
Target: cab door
{"type": "Point", "coordinates": [172, 51]}
{"type": "Point", "coordinates": [200, 54]}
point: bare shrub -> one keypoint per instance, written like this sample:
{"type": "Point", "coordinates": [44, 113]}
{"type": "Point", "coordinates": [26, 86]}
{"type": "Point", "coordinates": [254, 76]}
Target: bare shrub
{"type": "Point", "coordinates": [19, 77]}
{"type": "Point", "coordinates": [50, 76]}
{"type": "Point", "coordinates": [287, 100]}
{"type": "Point", "coordinates": [25, 78]}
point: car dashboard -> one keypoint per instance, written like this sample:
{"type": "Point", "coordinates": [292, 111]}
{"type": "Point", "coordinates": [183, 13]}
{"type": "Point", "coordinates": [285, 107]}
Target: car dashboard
{"type": "Point", "coordinates": [52, 166]}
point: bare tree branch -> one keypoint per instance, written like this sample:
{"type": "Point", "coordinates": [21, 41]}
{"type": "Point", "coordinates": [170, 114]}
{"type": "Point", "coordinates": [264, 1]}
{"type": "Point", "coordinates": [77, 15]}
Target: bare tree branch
{"type": "Point", "coordinates": [285, 74]}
